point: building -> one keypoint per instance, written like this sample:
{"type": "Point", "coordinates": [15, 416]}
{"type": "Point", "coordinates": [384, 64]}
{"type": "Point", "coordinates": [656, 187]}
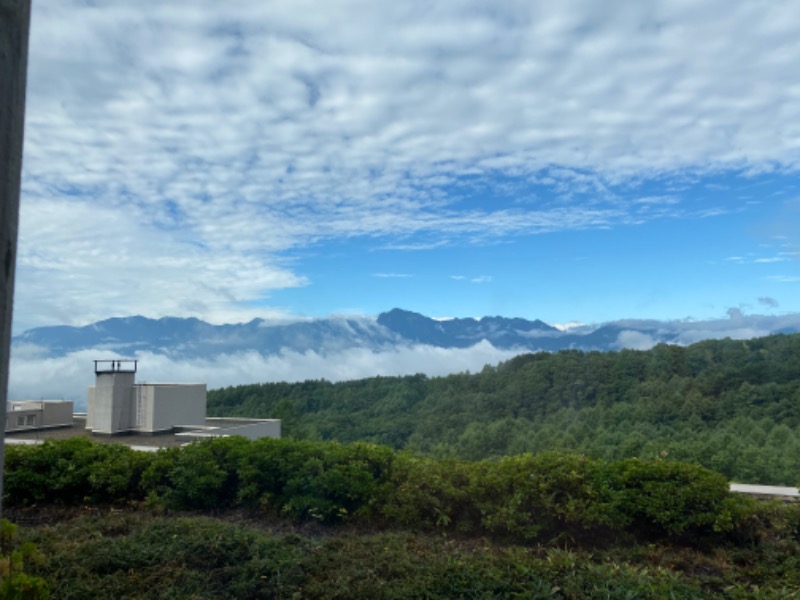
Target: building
{"type": "Point", "coordinates": [145, 416]}
{"type": "Point", "coordinates": [29, 415]}
{"type": "Point", "coordinates": [117, 404]}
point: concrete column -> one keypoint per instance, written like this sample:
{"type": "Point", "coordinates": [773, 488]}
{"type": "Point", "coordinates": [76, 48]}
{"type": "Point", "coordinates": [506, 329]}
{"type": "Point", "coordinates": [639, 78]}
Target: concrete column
{"type": "Point", "coordinates": [15, 16]}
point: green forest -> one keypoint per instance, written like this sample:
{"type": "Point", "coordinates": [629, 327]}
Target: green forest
{"type": "Point", "coordinates": [731, 406]}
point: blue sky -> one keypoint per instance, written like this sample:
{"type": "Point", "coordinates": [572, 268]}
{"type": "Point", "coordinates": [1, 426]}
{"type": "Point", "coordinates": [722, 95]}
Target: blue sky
{"type": "Point", "coordinates": [563, 161]}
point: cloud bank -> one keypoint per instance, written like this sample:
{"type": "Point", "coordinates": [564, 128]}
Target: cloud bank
{"type": "Point", "coordinates": [35, 377]}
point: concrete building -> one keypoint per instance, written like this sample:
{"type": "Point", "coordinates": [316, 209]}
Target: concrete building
{"type": "Point", "coordinates": [145, 416]}
{"type": "Point", "coordinates": [117, 404]}
{"type": "Point", "coordinates": [27, 415]}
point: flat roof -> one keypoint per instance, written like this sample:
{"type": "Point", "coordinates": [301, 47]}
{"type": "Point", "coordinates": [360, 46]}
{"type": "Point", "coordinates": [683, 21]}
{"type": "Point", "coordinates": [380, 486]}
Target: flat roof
{"type": "Point", "coordinates": [765, 490]}
{"type": "Point", "coordinates": [139, 441]}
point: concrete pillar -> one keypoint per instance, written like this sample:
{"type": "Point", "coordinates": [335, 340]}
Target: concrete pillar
{"type": "Point", "coordinates": [113, 399]}
{"type": "Point", "coordinates": [15, 16]}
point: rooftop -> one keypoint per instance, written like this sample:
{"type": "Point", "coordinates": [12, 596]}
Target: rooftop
{"type": "Point", "coordinates": [214, 427]}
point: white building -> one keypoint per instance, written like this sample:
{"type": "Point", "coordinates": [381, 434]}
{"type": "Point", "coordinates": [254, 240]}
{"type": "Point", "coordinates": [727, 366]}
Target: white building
{"type": "Point", "coordinates": [27, 415]}
{"type": "Point", "coordinates": [167, 414]}
{"type": "Point", "coordinates": [117, 404]}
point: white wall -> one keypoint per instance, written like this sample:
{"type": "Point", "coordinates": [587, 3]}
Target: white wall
{"type": "Point", "coordinates": [109, 409]}
{"type": "Point", "coordinates": [179, 404]}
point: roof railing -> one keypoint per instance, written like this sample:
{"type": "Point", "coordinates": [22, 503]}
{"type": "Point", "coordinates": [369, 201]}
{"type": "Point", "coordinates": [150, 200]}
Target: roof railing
{"type": "Point", "coordinates": [124, 365]}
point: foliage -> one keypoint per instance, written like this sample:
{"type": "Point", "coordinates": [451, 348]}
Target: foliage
{"type": "Point", "coordinates": [15, 583]}
{"type": "Point", "coordinates": [732, 406]}
{"type": "Point", "coordinates": [323, 481]}
{"type": "Point", "coordinates": [73, 471]}
{"type": "Point", "coordinates": [120, 554]}
{"type": "Point", "coordinates": [451, 528]}
{"type": "Point", "coordinates": [525, 498]}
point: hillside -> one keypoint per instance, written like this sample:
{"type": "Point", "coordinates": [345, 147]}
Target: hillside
{"type": "Point", "coordinates": [229, 518]}
{"type": "Point", "coordinates": [732, 406]}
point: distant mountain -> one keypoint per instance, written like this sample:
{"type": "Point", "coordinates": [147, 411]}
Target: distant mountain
{"type": "Point", "coordinates": [192, 338]}
{"type": "Point", "coordinates": [463, 333]}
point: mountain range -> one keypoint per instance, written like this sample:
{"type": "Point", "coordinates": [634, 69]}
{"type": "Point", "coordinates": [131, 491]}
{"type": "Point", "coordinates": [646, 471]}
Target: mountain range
{"type": "Point", "coordinates": [192, 338]}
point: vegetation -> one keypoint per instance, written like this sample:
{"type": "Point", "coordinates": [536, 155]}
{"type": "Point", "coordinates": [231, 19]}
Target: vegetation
{"type": "Point", "coordinates": [730, 406]}
{"type": "Point", "coordinates": [15, 582]}
{"type": "Point", "coordinates": [571, 475]}
{"type": "Point", "coordinates": [304, 519]}
{"type": "Point", "coordinates": [524, 498]}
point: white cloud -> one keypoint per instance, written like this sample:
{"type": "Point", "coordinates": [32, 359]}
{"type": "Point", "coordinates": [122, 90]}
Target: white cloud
{"type": "Point", "coordinates": [198, 142]}
{"type": "Point", "coordinates": [33, 376]}
{"type": "Point", "coordinates": [635, 340]}
{"type": "Point", "coordinates": [771, 259]}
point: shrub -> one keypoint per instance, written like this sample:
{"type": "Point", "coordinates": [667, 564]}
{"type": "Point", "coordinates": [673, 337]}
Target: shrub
{"type": "Point", "coordinates": [430, 494]}
{"type": "Point", "coordinates": [672, 499]}
{"type": "Point", "coordinates": [71, 472]}
{"type": "Point", "coordinates": [319, 480]}
{"type": "Point", "coordinates": [550, 494]}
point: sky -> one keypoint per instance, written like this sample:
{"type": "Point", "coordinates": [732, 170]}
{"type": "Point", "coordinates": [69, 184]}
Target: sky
{"type": "Point", "coordinates": [566, 161]}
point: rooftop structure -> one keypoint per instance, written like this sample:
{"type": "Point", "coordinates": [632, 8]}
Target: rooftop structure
{"type": "Point", "coordinates": [117, 404]}
{"type": "Point", "coordinates": [150, 415]}
{"type": "Point", "coordinates": [27, 415]}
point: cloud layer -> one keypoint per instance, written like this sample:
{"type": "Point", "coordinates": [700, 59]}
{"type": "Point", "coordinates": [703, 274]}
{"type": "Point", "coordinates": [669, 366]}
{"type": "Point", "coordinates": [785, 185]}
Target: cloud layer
{"type": "Point", "coordinates": [177, 153]}
{"type": "Point", "coordinates": [34, 376]}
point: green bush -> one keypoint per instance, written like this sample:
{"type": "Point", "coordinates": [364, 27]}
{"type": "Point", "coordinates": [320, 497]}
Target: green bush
{"type": "Point", "coordinates": [73, 471]}
{"type": "Point", "coordinates": [15, 582]}
{"type": "Point", "coordinates": [325, 481]}
{"type": "Point", "coordinates": [672, 499]}
{"type": "Point", "coordinates": [525, 497]}
{"type": "Point", "coordinates": [550, 494]}
{"type": "Point", "coordinates": [203, 475]}
{"type": "Point", "coordinates": [430, 494]}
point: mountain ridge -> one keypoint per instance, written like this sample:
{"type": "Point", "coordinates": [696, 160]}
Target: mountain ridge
{"type": "Point", "coordinates": [191, 337]}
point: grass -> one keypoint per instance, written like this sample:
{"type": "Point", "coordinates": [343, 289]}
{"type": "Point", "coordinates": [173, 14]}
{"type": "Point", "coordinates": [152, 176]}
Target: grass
{"type": "Point", "coordinates": [136, 554]}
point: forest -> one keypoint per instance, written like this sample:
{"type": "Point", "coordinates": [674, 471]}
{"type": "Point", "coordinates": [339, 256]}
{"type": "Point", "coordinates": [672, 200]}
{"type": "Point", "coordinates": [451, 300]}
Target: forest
{"type": "Point", "coordinates": [732, 406]}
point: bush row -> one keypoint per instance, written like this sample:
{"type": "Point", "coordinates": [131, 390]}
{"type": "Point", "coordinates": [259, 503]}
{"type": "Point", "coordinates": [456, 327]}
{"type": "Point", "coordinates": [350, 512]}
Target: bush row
{"type": "Point", "coordinates": [525, 497]}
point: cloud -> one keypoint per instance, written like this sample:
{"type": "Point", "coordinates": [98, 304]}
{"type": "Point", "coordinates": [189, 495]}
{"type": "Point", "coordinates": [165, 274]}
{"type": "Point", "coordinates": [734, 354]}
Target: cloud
{"type": "Point", "coordinates": [35, 376]}
{"type": "Point", "coordinates": [477, 279]}
{"type": "Point", "coordinates": [738, 326]}
{"type": "Point", "coordinates": [212, 140]}
{"type": "Point", "coordinates": [635, 340]}
{"type": "Point", "coordinates": [392, 275]}
{"type": "Point", "coordinates": [735, 314]}
{"type": "Point", "coordinates": [771, 259]}
{"type": "Point", "coordinates": [767, 301]}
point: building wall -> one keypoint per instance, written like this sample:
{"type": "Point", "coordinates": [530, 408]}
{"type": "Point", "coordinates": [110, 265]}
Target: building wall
{"type": "Point", "coordinates": [57, 414]}
{"type": "Point", "coordinates": [143, 407]}
{"type": "Point", "coordinates": [255, 431]}
{"type": "Point", "coordinates": [179, 404]}
{"type": "Point", "coordinates": [90, 410]}
{"type": "Point", "coordinates": [39, 414]}
{"type": "Point", "coordinates": [109, 408]}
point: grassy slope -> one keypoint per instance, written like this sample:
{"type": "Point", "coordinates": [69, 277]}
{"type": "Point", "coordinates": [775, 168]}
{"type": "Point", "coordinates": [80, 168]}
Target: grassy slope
{"type": "Point", "coordinates": [133, 553]}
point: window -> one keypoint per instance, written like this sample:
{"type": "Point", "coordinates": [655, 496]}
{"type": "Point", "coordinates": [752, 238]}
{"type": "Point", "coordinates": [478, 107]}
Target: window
{"type": "Point", "coordinates": [26, 420]}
